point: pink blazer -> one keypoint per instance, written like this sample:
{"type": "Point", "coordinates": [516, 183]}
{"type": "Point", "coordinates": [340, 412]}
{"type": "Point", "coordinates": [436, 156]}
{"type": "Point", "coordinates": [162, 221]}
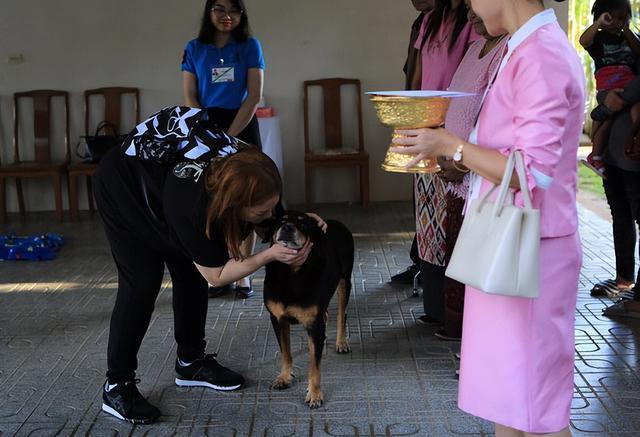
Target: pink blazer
{"type": "Point", "coordinates": [537, 105]}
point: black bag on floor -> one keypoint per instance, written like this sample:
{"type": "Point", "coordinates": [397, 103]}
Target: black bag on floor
{"type": "Point", "coordinates": [100, 143]}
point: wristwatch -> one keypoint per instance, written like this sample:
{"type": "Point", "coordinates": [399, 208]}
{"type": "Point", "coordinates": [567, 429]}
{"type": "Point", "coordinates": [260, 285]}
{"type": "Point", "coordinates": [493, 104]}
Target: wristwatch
{"type": "Point", "coordinates": [457, 157]}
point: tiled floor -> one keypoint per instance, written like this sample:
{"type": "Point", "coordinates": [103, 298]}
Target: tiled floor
{"type": "Point", "coordinates": [398, 381]}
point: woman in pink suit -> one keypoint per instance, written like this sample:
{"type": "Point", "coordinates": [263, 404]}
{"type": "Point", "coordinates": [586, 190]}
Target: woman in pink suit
{"type": "Point", "coordinates": [517, 353]}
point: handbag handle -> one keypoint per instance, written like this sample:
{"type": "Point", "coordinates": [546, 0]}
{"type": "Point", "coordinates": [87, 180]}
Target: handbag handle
{"type": "Point", "coordinates": [104, 125]}
{"type": "Point", "coordinates": [514, 162]}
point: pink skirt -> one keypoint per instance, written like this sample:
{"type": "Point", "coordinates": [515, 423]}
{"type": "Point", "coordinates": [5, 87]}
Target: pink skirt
{"type": "Point", "coordinates": [517, 354]}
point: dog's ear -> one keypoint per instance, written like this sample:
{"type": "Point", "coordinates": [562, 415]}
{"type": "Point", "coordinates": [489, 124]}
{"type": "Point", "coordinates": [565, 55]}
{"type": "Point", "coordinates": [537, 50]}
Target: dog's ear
{"type": "Point", "coordinates": [312, 229]}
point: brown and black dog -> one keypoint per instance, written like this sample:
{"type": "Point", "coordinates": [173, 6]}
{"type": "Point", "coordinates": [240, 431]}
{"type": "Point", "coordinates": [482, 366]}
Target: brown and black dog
{"type": "Point", "coordinates": [302, 296]}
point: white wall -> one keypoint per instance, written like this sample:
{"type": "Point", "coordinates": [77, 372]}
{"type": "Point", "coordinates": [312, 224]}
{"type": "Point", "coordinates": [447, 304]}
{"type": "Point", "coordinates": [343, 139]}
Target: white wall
{"type": "Point", "coordinates": [79, 44]}
{"type": "Point", "coordinates": [562, 11]}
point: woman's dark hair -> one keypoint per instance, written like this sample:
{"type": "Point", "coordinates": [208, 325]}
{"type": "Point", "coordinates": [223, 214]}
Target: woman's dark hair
{"type": "Point", "coordinates": [439, 13]}
{"type": "Point", "coordinates": [603, 6]}
{"type": "Point", "coordinates": [244, 179]}
{"type": "Point", "coordinates": [208, 31]}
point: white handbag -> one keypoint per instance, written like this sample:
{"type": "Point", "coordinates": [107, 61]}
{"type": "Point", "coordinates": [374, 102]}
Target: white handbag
{"type": "Point", "coordinates": [497, 248]}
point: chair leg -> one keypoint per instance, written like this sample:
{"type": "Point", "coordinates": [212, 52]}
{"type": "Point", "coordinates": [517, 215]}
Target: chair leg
{"type": "Point", "coordinates": [364, 184]}
{"type": "Point", "coordinates": [3, 199]}
{"type": "Point", "coordinates": [20, 197]}
{"type": "Point", "coordinates": [307, 186]}
{"type": "Point", "coordinates": [57, 187]}
{"type": "Point", "coordinates": [92, 207]}
{"type": "Point", "coordinates": [73, 197]}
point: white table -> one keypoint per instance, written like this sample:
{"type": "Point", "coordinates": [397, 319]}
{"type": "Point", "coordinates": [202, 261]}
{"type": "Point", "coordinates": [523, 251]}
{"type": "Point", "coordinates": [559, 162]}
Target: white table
{"type": "Point", "coordinates": [272, 140]}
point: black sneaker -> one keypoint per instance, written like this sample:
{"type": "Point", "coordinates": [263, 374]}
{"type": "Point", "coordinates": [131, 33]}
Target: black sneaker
{"type": "Point", "coordinates": [125, 402]}
{"type": "Point", "coordinates": [207, 372]}
{"type": "Point", "coordinates": [407, 276]}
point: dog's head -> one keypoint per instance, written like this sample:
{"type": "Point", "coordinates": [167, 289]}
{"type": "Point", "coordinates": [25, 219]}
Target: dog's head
{"type": "Point", "coordinates": [293, 229]}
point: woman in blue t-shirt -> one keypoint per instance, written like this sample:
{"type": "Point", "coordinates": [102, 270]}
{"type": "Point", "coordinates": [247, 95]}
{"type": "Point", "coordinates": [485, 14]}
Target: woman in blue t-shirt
{"type": "Point", "coordinates": [223, 72]}
{"type": "Point", "coordinates": [223, 69]}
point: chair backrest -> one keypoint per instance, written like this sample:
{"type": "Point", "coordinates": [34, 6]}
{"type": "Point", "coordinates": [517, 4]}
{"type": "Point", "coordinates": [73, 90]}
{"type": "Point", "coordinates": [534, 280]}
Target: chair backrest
{"type": "Point", "coordinates": [42, 117]}
{"type": "Point", "coordinates": [112, 105]}
{"type": "Point", "coordinates": [332, 99]}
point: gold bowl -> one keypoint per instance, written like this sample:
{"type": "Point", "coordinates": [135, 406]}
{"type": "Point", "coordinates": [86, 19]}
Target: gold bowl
{"type": "Point", "coordinates": [411, 112]}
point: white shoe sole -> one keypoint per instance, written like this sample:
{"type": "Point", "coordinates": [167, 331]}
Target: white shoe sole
{"type": "Point", "coordinates": [114, 413]}
{"type": "Point", "coordinates": [108, 409]}
{"type": "Point", "coordinates": [190, 383]}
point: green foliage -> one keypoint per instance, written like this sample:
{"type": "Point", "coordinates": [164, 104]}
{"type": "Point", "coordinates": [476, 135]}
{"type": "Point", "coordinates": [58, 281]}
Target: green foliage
{"type": "Point", "coordinates": [589, 181]}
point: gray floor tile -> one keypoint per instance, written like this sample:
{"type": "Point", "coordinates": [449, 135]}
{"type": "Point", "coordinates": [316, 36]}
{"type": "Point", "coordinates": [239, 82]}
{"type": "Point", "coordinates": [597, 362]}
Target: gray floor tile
{"type": "Point", "coordinates": [398, 380]}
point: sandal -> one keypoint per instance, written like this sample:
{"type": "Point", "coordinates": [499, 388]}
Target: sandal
{"type": "Point", "coordinates": [609, 288]}
{"type": "Point", "coordinates": [441, 334]}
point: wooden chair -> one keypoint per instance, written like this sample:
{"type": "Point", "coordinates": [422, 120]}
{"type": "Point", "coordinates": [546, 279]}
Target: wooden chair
{"type": "Point", "coordinates": [112, 112]}
{"type": "Point", "coordinates": [43, 164]}
{"type": "Point", "coordinates": [335, 153]}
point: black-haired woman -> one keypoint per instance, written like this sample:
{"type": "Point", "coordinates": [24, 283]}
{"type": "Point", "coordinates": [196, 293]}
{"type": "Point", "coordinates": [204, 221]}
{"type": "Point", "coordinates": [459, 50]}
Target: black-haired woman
{"type": "Point", "coordinates": [223, 72]}
{"type": "Point", "coordinates": [443, 41]}
{"type": "Point", "coordinates": [223, 69]}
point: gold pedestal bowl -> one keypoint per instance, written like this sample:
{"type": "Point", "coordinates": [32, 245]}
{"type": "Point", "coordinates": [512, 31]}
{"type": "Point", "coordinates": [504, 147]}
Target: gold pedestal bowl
{"type": "Point", "coordinates": [411, 110]}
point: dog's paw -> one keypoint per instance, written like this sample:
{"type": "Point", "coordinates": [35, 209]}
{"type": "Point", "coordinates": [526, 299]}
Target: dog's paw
{"type": "Point", "coordinates": [314, 399]}
{"type": "Point", "coordinates": [281, 382]}
{"type": "Point", "coordinates": [342, 347]}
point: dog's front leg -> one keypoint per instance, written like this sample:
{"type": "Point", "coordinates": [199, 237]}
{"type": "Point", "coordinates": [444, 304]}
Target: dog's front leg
{"type": "Point", "coordinates": [283, 334]}
{"type": "Point", "coordinates": [316, 333]}
{"type": "Point", "coordinates": [342, 344]}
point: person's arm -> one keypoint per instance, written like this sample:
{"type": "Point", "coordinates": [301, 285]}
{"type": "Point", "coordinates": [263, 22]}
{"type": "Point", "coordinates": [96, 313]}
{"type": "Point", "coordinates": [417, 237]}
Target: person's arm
{"type": "Point", "coordinates": [589, 35]}
{"type": "Point", "coordinates": [255, 80]}
{"type": "Point", "coordinates": [235, 270]}
{"type": "Point", "coordinates": [426, 143]}
{"type": "Point", "coordinates": [540, 107]}
{"type": "Point", "coordinates": [190, 89]}
{"type": "Point", "coordinates": [632, 40]}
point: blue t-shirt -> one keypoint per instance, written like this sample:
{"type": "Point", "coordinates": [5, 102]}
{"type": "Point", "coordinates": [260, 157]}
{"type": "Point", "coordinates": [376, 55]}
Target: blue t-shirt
{"type": "Point", "coordinates": [222, 72]}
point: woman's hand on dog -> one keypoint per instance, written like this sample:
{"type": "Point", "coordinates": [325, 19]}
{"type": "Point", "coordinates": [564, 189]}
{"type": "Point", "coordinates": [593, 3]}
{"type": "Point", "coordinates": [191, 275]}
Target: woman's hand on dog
{"type": "Point", "coordinates": [321, 223]}
{"type": "Point", "coordinates": [292, 257]}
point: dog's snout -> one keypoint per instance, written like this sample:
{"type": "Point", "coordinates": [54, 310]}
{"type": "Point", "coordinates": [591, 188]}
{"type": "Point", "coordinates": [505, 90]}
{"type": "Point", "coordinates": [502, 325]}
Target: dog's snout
{"type": "Point", "coordinates": [288, 227]}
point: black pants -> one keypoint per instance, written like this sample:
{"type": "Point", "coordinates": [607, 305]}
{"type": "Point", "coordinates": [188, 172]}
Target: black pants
{"type": "Point", "coordinates": [140, 254]}
{"type": "Point", "coordinates": [413, 252]}
{"type": "Point", "coordinates": [622, 189]}
{"type": "Point", "coordinates": [432, 281]}
{"type": "Point", "coordinates": [224, 117]}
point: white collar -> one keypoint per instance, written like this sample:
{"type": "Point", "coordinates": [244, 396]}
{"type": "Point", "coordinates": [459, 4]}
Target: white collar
{"type": "Point", "coordinates": [548, 16]}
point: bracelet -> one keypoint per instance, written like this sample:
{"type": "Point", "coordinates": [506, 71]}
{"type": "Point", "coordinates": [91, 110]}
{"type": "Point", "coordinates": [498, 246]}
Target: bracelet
{"type": "Point", "coordinates": [461, 170]}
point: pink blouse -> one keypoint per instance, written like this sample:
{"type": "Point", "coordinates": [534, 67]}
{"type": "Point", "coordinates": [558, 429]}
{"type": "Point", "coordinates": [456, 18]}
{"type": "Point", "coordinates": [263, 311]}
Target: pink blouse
{"type": "Point", "coordinates": [439, 64]}
{"type": "Point", "coordinates": [537, 106]}
{"type": "Point", "coordinates": [473, 76]}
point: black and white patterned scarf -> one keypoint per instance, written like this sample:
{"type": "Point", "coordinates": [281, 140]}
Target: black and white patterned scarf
{"type": "Point", "coordinates": [180, 136]}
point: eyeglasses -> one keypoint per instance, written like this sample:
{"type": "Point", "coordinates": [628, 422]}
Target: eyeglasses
{"type": "Point", "coordinates": [221, 12]}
